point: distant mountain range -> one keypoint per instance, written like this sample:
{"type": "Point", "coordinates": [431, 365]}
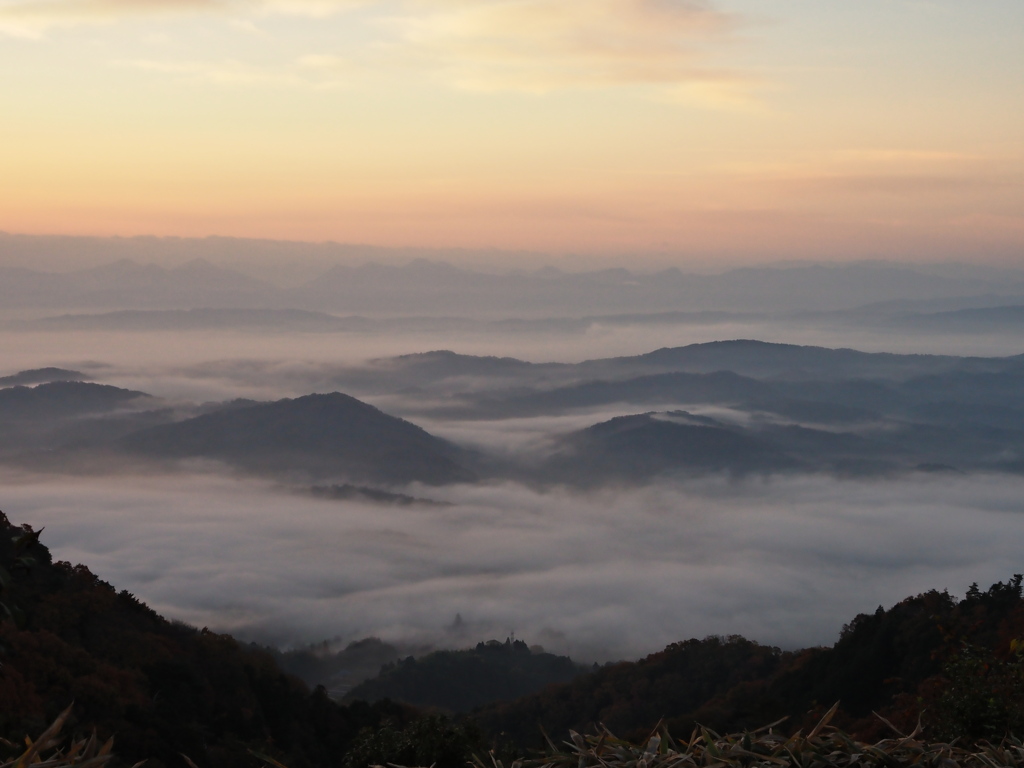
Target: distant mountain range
{"type": "Point", "coordinates": [204, 319]}
{"type": "Point", "coordinates": [507, 383]}
{"type": "Point", "coordinates": [968, 320]}
{"type": "Point", "coordinates": [433, 288]}
{"type": "Point", "coordinates": [41, 376]}
{"type": "Point", "coordinates": [125, 284]}
{"type": "Point", "coordinates": [736, 407]}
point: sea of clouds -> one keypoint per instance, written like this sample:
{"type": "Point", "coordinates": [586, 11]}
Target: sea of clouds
{"type": "Point", "coordinates": [600, 576]}
{"type": "Point", "coordinates": [615, 574]}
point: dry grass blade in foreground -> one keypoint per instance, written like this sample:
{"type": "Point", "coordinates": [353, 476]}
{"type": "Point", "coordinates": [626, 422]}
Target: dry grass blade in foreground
{"type": "Point", "coordinates": [46, 751]}
{"type": "Point", "coordinates": [823, 747]}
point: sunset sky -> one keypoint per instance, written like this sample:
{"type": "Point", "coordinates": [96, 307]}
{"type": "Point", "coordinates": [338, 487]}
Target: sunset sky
{"type": "Point", "coordinates": [737, 129]}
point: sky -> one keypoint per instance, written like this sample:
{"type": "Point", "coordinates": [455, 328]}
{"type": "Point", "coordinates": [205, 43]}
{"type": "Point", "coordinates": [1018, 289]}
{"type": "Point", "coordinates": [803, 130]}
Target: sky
{"type": "Point", "coordinates": [738, 130]}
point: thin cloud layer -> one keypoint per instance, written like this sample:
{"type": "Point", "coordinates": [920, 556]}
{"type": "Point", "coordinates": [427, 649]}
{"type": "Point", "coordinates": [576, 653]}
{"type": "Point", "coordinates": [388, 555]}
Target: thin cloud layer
{"type": "Point", "coordinates": [600, 576]}
{"type": "Point", "coordinates": [538, 45]}
{"type": "Point", "coordinates": [32, 18]}
{"type": "Point", "coordinates": [530, 45]}
{"type": "Point", "coordinates": [27, 18]}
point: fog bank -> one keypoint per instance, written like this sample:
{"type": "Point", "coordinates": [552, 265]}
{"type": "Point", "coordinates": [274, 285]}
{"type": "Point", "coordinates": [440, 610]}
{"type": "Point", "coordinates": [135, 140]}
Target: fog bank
{"type": "Point", "coordinates": [217, 365]}
{"type": "Point", "coordinates": [615, 575]}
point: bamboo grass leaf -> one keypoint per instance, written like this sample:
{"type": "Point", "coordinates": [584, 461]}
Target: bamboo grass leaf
{"type": "Point", "coordinates": [824, 721]}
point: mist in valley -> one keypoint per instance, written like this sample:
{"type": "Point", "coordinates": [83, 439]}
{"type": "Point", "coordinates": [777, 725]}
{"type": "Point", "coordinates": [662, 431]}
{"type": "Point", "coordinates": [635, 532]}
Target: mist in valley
{"type": "Point", "coordinates": [567, 486]}
{"type": "Point", "coordinates": [598, 576]}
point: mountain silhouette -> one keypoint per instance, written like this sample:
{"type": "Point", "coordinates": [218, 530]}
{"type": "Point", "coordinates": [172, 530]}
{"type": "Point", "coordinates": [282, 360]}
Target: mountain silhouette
{"type": "Point", "coordinates": [631, 448]}
{"type": "Point", "coordinates": [40, 376]}
{"type": "Point", "coordinates": [328, 435]}
{"type": "Point", "coordinates": [58, 399]}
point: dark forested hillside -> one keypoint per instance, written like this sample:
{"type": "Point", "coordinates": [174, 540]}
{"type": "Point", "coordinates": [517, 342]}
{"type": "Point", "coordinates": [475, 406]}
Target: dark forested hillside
{"type": "Point", "coordinates": [461, 680]}
{"type": "Point", "coordinates": [631, 697]}
{"type": "Point", "coordinates": [930, 656]}
{"type": "Point", "coordinates": [162, 688]}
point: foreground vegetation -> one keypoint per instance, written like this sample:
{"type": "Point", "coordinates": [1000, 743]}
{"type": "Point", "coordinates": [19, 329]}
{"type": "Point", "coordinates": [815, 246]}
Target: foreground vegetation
{"type": "Point", "coordinates": [49, 751]}
{"type": "Point", "coordinates": [822, 747]}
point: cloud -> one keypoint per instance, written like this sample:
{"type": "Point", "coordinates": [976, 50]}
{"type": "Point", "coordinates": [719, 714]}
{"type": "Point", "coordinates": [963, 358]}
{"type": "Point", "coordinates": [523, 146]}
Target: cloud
{"type": "Point", "coordinates": [917, 175]}
{"type": "Point", "coordinates": [235, 73]}
{"type": "Point", "coordinates": [487, 45]}
{"type": "Point", "coordinates": [216, 365]}
{"type": "Point", "coordinates": [33, 18]}
{"type": "Point", "coordinates": [896, 185]}
{"type": "Point", "coordinates": [729, 93]}
{"type": "Point", "coordinates": [613, 575]}
{"type": "Point", "coordinates": [316, 9]}
{"type": "Point", "coordinates": [540, 45]}
{"type": "Point", "coordinates": [323, 61]}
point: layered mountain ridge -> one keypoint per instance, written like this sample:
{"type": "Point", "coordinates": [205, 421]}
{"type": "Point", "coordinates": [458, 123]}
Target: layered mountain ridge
{"type": "Point", "coordinates": [737, 407]}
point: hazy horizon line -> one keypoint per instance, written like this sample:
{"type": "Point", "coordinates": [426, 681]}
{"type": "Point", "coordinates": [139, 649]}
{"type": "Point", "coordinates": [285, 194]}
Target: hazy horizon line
{"type": "Point", "coordinates": [481, 259]}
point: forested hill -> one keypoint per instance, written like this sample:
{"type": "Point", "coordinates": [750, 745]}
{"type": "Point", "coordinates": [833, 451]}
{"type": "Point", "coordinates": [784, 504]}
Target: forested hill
{"type": "Point", "coordinates": [166, 689]}
{"type": "Point", "coordinates": [459, 681]}
{"type": "Point", "coordinates": [162, 688]}
{"type": "Point", "coordinates": [959, 664]}
{"type": "Point", "coordinates": [316, 434]}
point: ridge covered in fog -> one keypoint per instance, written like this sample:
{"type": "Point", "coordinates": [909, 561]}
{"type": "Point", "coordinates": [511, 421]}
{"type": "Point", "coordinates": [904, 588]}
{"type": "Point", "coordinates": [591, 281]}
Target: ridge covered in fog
{"type": "Point", "coordinates": [739, 407]}
{"type": "Point", "coordinates": [201, 276]}
{"type": "Point", "coordinates": [560, 454]}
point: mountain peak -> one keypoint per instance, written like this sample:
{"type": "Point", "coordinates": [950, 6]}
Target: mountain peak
{"type": "Point", "coordinates": [41, 376]}
{"type": "Point", "coordinates": [327, 435]}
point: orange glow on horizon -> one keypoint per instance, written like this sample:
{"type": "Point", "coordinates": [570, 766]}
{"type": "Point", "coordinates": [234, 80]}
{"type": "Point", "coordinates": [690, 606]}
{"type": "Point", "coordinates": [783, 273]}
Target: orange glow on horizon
{"type": "Point", "coordinates": [616, 127]}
